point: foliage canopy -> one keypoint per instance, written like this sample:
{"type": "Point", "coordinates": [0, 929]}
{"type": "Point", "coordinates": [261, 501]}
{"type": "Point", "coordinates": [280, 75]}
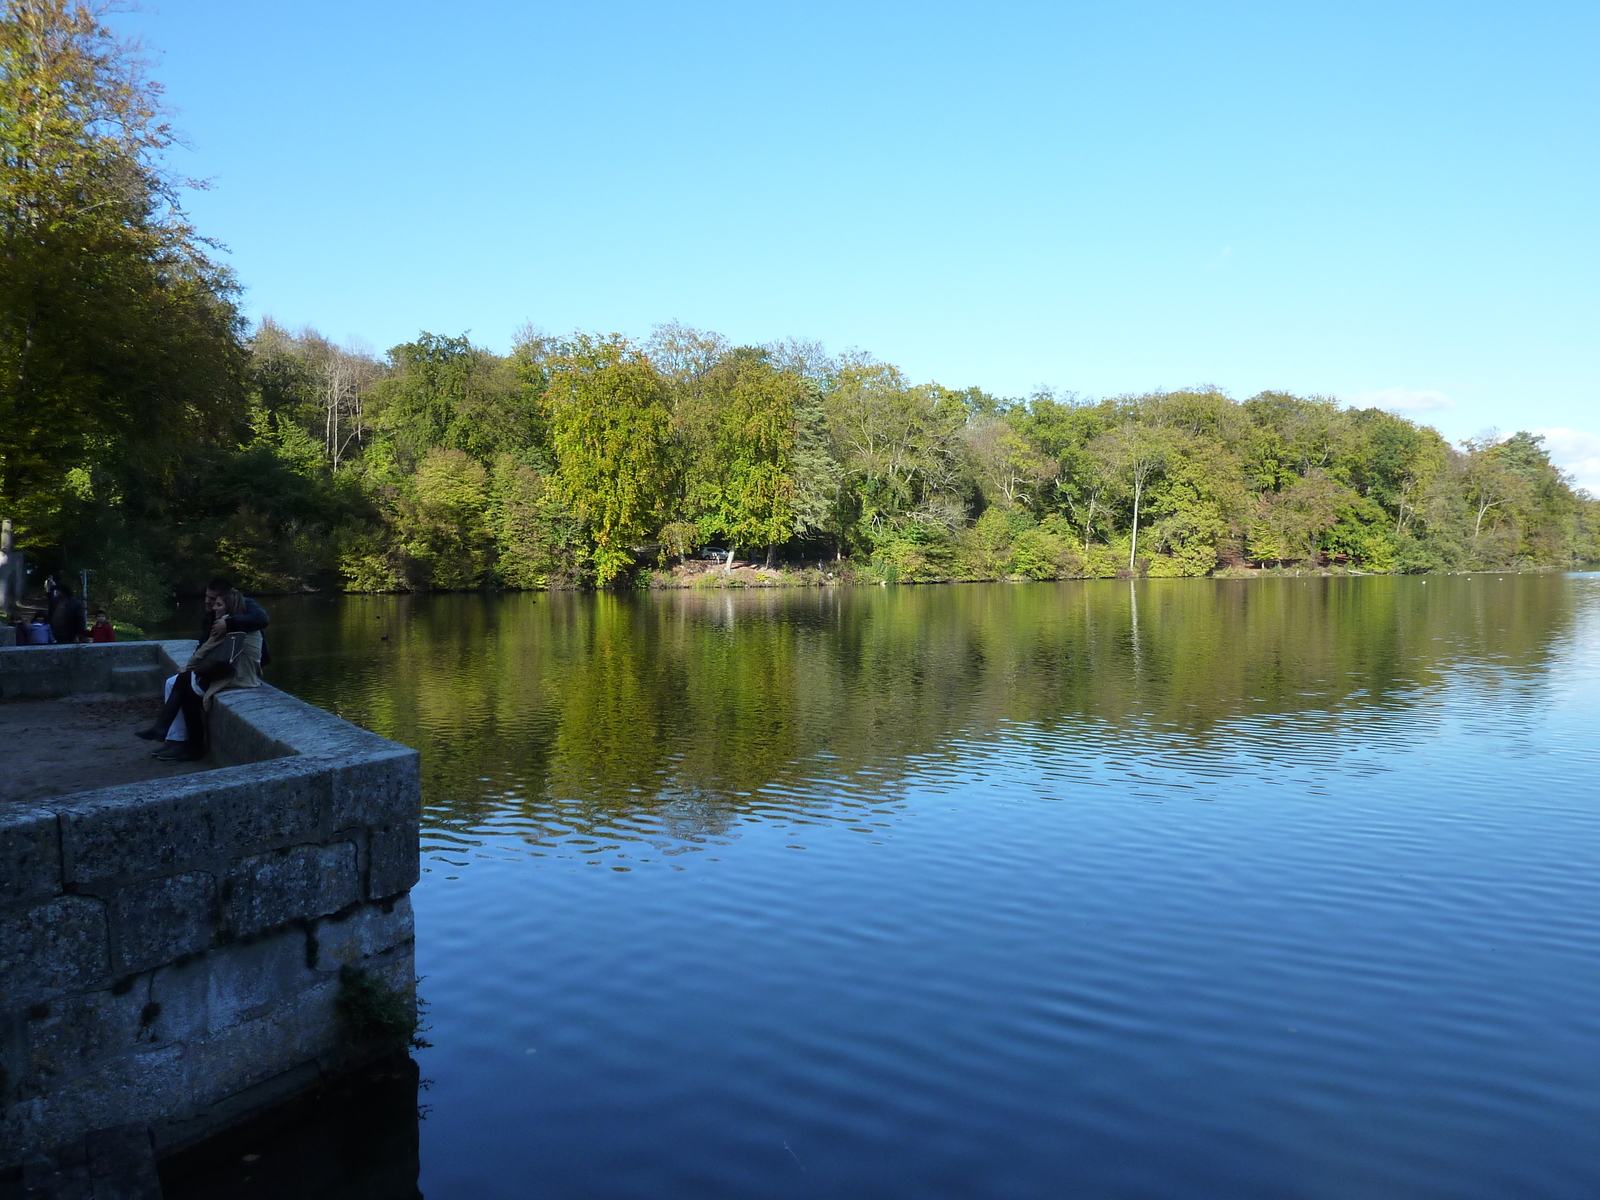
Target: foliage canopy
{"type": "Point", "coordinates": [145, 433]}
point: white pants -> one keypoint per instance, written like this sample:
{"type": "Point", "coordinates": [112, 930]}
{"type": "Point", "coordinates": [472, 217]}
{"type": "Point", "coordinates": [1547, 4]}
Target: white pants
{"type": "Point", "coordinates": [178, 731]}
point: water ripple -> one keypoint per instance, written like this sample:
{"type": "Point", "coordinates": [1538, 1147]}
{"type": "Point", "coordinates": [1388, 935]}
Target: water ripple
{"type": "Point", "coordinates": [1283, 888]}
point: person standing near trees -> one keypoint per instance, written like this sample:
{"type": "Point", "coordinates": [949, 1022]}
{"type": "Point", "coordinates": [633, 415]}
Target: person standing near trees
{"type": "Point", "coordinates": [67, 618]}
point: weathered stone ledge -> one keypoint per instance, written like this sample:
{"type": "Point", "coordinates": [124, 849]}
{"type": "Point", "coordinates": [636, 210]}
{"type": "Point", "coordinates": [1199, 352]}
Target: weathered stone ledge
{"type": "Point", "coordinates": [170, 951]}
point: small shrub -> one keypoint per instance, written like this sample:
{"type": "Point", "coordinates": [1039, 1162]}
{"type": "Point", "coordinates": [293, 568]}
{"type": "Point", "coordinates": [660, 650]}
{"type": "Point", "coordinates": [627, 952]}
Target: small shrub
{"type": "Point", "coordinates": [377, 1012]}
{"type": "Point", "coordinates": [1047, 551]}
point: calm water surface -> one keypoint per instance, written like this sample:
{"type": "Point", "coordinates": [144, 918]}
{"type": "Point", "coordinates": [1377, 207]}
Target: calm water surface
{"type": "Point", "coordinates": [1269, 888]}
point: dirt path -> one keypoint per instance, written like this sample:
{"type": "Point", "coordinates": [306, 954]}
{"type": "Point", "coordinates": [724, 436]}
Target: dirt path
{"type": "Point", "coordinates": [56, 747]}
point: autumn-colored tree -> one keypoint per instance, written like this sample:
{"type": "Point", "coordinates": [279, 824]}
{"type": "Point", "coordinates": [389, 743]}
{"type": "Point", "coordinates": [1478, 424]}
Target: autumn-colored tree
{"type": "Point", "coordinates": [1289, 526]}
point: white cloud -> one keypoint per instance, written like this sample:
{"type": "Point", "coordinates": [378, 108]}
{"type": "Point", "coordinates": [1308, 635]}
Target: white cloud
{"type": "Point", "coordinates": [1577, 452]}
{"type": "Point", "coordinates": [1403, 400]}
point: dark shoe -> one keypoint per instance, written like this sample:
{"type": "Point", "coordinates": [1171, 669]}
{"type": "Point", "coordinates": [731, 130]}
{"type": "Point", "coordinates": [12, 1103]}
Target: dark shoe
{"type": "Point", "coordinates": [180, 753]}
{"type": "Point", "coordinates": [150, 735]}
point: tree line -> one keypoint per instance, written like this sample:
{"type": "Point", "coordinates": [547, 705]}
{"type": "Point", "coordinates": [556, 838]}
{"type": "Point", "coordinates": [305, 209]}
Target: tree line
{"type": "Point", "coordinates": [148, 434]}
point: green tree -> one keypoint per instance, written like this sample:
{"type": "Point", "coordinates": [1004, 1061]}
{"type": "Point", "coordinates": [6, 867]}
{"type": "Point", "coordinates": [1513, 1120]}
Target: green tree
{"type": "Point", "coordinates": [1198, 507]}
{"type": "Point", "coordinates": [1291, 436]}
{"type": "Point", "coordinates": [1289, 526]}
{"type": "Point", "coordinates": [445, 520]}
{"type": "Point", "coordinates": [539, 541]}
{"type": "Point", "coordinates": [119, 340]}
{"type": "Point", "coordinates": [1009, 471]}
{"type": "Point", "coordinates": [1492, 483]}
{"type": "Point", "coordinates": [1134, 455]}
{"type": "Point", "coordinates": [817, 476]}
{"type": "Point", "coordinates": [611, 431]}
{"type": "Point", "coordinates": [899, 445]}
{"type": "Point", "coordinates": [739, 483]}
{"type": "Point", "coordinates": [444, 391]}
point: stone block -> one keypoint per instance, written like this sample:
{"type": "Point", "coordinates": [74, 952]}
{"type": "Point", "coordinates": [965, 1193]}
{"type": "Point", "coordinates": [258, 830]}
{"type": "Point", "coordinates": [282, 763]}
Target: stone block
{"type": "Point", "coordinates": [158, 920]}
{"type": "Point", "coordinates": [393, 858]}
{"type": "Point", "coordinates": [122, 1163]}
{"type": "Point", "coordinates": [30, 854]}
{"type": "Point", "coordinates": [36, 672]}
{"type": "Point", "coordinates": [378, 789]}
{"type": "Point", "coordinates": [60, 1173]}
{"type": "Point", "coordinates": [347, 941]}
{"type": "Point", "coordinates": [138, 680]}
{"type": "Point", "coordinates": [246, 980]}
{"type": "Point", "coordinates": [302, 1027]}
{"type": "Point", "coordinates": [13, 1057]}
{"type": "Point", "coordinates": [52, 947]}
{"type": "Point", "coordinates": [396, 969]}
{"type": "Point", "coordinates": [136, 831]}
{"type": "Point", "coordinates": [245, 723]}
{"type": "Point", "coordinates": [281, 724]}
{"type": "Point", "coordinates": [280, 804]}
{"type": "Point", "coordinates": [239, 1106]}
{"type": "Point", "coordinates": [80, 1032]}
{"type": "Point", "coordinates": [180, 1000]}
{"type": "Point", "coordinates": [146, 1086]}
{"type": "Point", "coordinates": [291, 884]}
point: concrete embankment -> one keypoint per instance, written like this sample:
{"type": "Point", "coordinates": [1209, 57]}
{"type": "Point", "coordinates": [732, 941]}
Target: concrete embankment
{"type": "Point", "coordinates": [178, 954]}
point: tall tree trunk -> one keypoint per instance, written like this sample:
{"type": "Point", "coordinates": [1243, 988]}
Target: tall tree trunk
{"type": "Point", "coordinates": [772, 555]}
{"type": "Point", "coordinates": [1133, 552]}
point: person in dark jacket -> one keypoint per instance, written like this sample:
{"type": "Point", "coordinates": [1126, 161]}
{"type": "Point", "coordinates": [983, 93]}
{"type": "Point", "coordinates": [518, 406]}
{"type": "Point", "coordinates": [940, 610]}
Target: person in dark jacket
{"type": "Point", "coordinates": [226, 612]}
{"type": "Point", "coordinates": [67, 618]}
{"type": "Point", "coordinates": [250, 618]}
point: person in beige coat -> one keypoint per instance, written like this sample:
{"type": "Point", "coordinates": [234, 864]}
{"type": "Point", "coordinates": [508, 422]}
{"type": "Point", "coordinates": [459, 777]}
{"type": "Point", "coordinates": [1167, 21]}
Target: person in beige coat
{"type": "Point", "coordinates": [227, 656]}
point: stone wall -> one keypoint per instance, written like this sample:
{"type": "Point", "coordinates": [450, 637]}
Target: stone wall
{"type": "Point", "coordinates": [171, 952]}
{"type": "Point", "coordinates": [112, 669]}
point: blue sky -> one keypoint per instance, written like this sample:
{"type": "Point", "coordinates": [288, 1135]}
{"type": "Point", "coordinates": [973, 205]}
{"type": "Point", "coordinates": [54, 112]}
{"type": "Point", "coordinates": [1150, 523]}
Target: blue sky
{"type": "Point", "coordinates": [1392, 203]}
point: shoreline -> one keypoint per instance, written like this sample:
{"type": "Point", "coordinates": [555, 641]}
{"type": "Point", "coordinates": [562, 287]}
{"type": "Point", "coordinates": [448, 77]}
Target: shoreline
{"type": "Point", "coordinates": [744, 577]}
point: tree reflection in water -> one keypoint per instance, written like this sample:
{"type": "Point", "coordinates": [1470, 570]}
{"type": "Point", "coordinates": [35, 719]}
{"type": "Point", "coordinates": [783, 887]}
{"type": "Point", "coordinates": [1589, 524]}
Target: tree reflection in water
{"type": "Point", "coordinates": [668, 717]}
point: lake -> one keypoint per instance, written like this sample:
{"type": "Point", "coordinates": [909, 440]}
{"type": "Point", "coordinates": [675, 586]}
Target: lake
{"type": "Point", "coordinates": [1189, 888]}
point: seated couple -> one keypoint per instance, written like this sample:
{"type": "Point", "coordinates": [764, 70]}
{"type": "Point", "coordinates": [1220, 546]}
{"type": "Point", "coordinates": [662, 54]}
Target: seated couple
{"type": "Point", "coordinates": [230, 654]}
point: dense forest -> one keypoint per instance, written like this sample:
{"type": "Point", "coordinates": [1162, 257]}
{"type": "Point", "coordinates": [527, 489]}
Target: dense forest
{"type": "Point", "coordinates": [148, 434]}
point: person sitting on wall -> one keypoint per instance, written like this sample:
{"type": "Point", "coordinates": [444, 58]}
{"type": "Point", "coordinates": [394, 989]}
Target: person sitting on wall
{"type": "Point", "coordinates": [67, 616]}
{"type": "Point", "coordinates": [228, 656]}
{"type": "Point", "coordinates": [244, 615]}
{"type": "Point", "coordinates": [102, 631]}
